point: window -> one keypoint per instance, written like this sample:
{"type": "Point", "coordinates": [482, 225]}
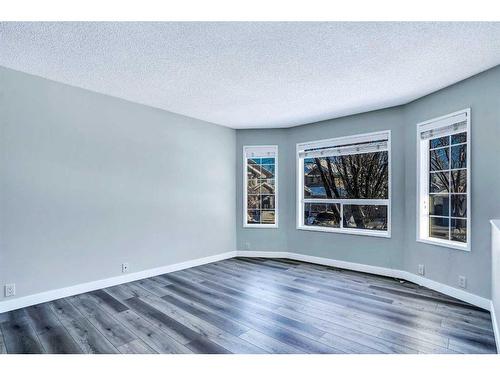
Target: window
{"type": "Point", "coordinates": [443, 174]}
{"type": "Point", "coordinates": [344, 185]}
{"type": "Point", "coordinates": [260, 185]}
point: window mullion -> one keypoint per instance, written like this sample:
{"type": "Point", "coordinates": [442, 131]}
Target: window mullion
{"type": "Point", "coordinates": [449, 196]}
{"type": "Point", "coordinates": [342, 215]}
{"type": "Point", "coordinates": [362, 202]}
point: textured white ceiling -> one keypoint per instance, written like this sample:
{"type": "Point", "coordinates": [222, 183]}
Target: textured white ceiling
{"type": "Point", "coordinates": [254, 75]}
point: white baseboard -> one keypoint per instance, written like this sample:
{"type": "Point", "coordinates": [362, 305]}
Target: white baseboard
{"type": "Point", "coordinates": [496, 327]}
{"type": "Point", "coordinates": [263, 254]}
{"type": "Point", "coordinates": [319, 260]}
{"type": "Point", "coordinates": [384, 271]}
{"type": "Point", "coordinates": [460, 294]}
{"type": "Point", "coordinates": [17, 303]}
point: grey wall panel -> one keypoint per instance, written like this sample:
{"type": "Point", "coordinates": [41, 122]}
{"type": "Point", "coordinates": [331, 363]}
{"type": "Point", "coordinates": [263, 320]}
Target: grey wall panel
{"type": "Point", "coordinates": [369, 250]}
{"type": "Point", "coordinates": [384, 252]}
{"type": "Point", "coordinates": [482, 94]}
{"type": "Point", "coordinates": [88, 181]}
{"type": "Point", "coordinates": [495, 273]}
{"type": "Point", "coordinates": [268, 239]}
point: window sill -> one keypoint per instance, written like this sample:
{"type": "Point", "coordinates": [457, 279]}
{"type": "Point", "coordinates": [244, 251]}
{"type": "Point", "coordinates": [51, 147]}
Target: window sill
{"type": "Point", "coordinates": [444, 243]}
{"type": "Point", "coordinates": [359, 232]}
{"type": "Point", "coordinates": [260, 226]}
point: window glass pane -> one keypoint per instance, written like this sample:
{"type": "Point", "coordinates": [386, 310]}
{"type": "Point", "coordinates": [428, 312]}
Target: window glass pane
{"type": "Point", "coordinates": [253, 171]}
{"type": "Point", "coordinates": [267, 201]}
{"type": "Point", "coordinates": [459, 156]}
{"type": "Point", "coordinates": [323, 215]}
{"type": "Point", "coordinates": [253, 202]}
{"type": "Point", "coordinates": [253, 186]}
{"type": "Point", "coordinates": [363, 176]}
{"type": "Point", "coordinates": [447, 192]}
{"type": "Point", "coordinates": [313, 183]}
{"type": "Point", "coordinates": [267, 217]}
{"type": "Point", "coordinates": [260, 193]}
{"type": "Point", "coordinates": [439, 182]}
{"type": "Point", "coordinates": [314, 192]}
{"type": "Point", "coordinates": [458, 205]}
{"type": "Point", "coordinates": [459, 230]}
{"type": "Point", "coordinates": [459, 138]}
{"type": "Point", "coordinates": [439, 227]}
{"type": "Point", "coordinates": [459, 181]}
{"type": "Point", "coordinates": [439, 205]}
{"type": "Point", "coordinates": [439, 159]}
{"type": "Point", "coordinates": [253, 217]}
{"type": "Point", "coordinates": [365, 216]}
{"type": "Point", "coordinates": [267, 187]}
{"type": "Point", "coordinates": [267, 171]}
{"type": "Point", "coordinates": [439, 142]}
{"type": "Point", "coordinates": [360, 176]}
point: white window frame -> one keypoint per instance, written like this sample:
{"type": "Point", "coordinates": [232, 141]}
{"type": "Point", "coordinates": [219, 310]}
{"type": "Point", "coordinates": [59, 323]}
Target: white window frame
{"type": "Point", "coordinates": [423, 179]}
{"type": "Point", "coordinates": [332, 142]}
{"type": "Point", "coordinates": [263, 151]}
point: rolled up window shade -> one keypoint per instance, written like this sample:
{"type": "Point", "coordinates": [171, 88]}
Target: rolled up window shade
{"type": "Point", "coordinates": [341, 150]}
{"type": "Point", "coordinates": [446, 126]}
{"type": "Point", "coordinates": [260, 152]}
{"type": "Point", "coordinates": [445, 130]}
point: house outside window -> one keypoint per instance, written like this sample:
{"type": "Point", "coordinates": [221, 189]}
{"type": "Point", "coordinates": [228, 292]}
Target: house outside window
{"type": "Point", "coordinates": [260, 184]}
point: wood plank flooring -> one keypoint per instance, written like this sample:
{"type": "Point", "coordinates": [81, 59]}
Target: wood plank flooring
{"type": "Point", "coordinates": [252, 305]}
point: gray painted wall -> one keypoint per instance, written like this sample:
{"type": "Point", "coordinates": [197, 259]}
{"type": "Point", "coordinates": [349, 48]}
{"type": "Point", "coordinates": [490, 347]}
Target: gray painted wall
{"type": "Point", "coordinates": [88, 181]}
{"type": "Point", "coordinates": [385, 252]}
{"type": "Point", "coordinates": [495, 272]}
{"type": "Point", "coordinates": [482, 94]}
{"type": "Point", "coordinates": [265, 239]}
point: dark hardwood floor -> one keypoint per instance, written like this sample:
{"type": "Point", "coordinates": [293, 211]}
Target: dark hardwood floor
{"type": "Point", "coordinates": [252, 305]}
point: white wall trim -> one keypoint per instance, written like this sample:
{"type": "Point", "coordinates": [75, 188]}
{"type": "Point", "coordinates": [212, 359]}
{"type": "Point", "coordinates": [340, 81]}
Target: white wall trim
{"type": "Point", "coordinates": [383, 271]}
{"type": "Point", "coordinates": [496, 327]}
{"type": "Point", "coordinates": [319, 260]}
{"type": "Point", "coordinates": [460, 294]}
{"type": "Point", "coordinates": [263, 254]}
{"type": "Point", "coordinates": [17, 303]}
{"type": "Point", "coordinates": [345, 265]}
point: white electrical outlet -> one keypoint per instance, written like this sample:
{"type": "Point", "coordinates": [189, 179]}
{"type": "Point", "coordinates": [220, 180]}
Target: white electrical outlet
{"type": "Point", "coordinates": [10, 290]}
{"type": "Point", "coordinates": [462, 282]}
{"type": "Point", "coordinates": [421, 269]}
{"type": "Point", "coordinates": [124, 267]}
{"type": "Point", "coordinates": [247, 245]}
